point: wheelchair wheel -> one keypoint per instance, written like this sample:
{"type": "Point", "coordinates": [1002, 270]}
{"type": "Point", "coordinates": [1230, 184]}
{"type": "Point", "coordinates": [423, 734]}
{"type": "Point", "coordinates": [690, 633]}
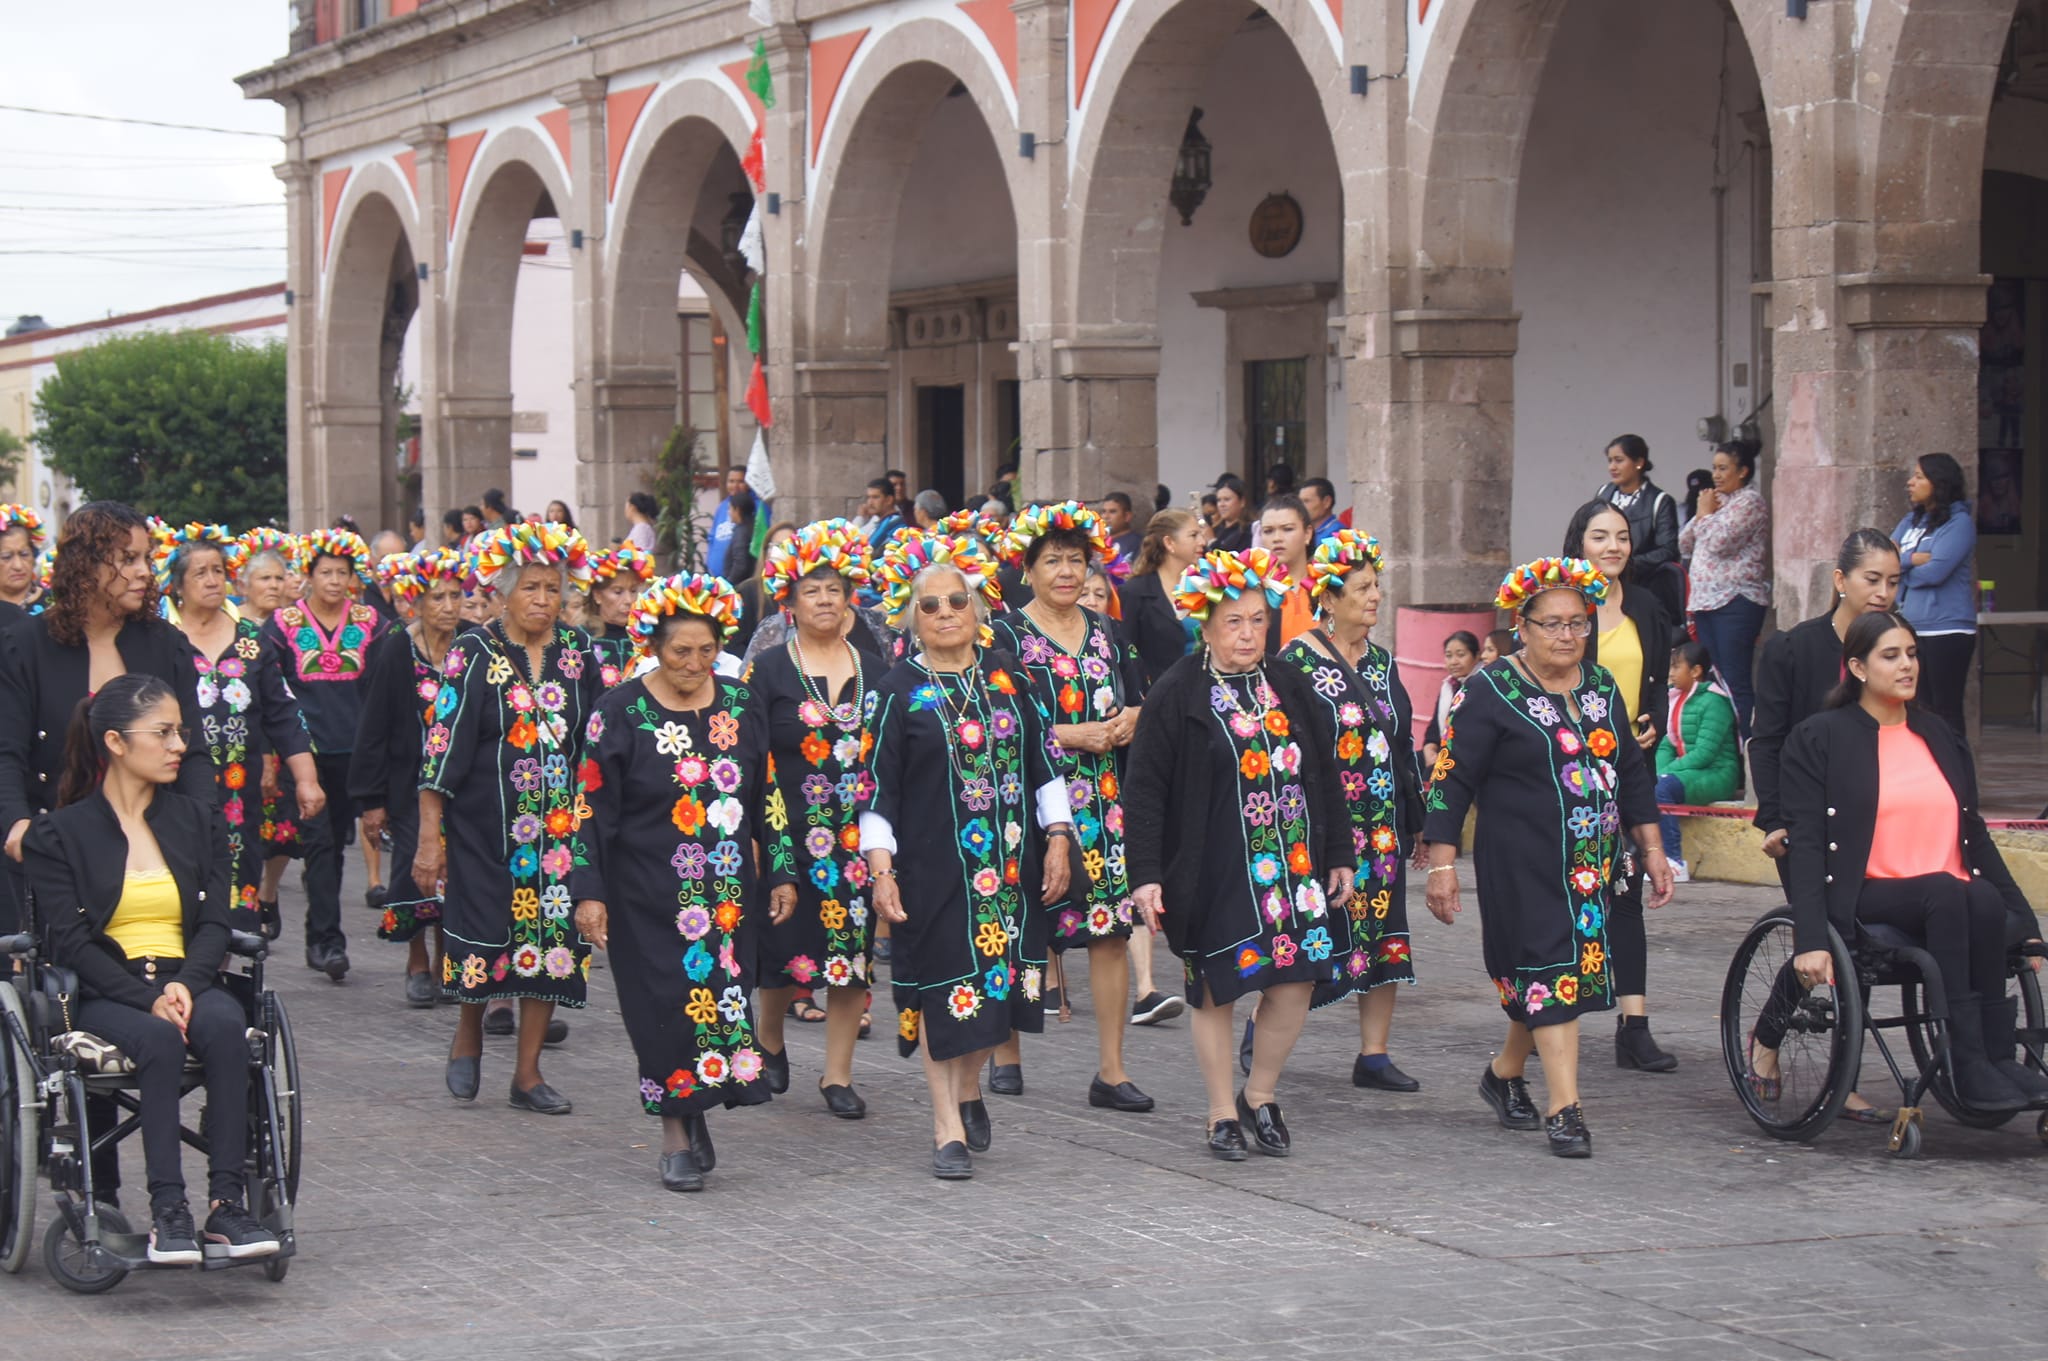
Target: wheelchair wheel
{"type": "Point", "coordinates": [283, 1063]}
{"type": "Point", "coordinates": [1920, 1036]}
{"type": "Point", "coordinates": [20, 1139]}
{"type": "Point", "coordinates": [64, 1256]}
{"type": "Point", "coordinates": [1819, 1032]}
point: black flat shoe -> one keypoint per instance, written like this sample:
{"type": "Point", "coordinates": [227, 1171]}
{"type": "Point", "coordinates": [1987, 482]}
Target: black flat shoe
{"type": "Point", "coordinates": [776, 1066]}
{"type": "Point", "coordinates": [951, 1162]}
{"type": "Point", "coordinates": [845, 1102]}
{"type": "Point", "coordinates": [498, 1021]}
{"type": "Point", "coordinates": [1509, 1097]}
{"type": "Point", "coordinates": [1226, 1142]}
{"type": "Point", "coordinates": [1244, 1049]}
{"type": "Point", "coordinates": [375, 896]}
{"type": "Point", "coordinates": [1006, 1079]}
{"type": "Point", "coordinates": [1385, 1078]}
{"type": "Point", "coordinates": [464, 1076]}
{"type": "Point", "coordinates": [679, 1171]}
{"type": "Point", "coordinates": [701, 1151]}
{"type": "Point", "coordinates": [1269, 1131]}
{"type": "Point", "coordinates": [272, 920]}
{"type": "Point", "coordinates": [421, 991]}
{"type": "Point", "coordinates": [1568, 1135]}
{"type": "Point", "coordinates": [974, 1119]}
{"type": "Point", "coordinates": [1124, 1096]}
{"type": "Point", "coordinates": [558, 1030]}
{"type": "Point", "coordinates": [1636, 1048]}
{"type": "Point", "coordinates": [336, 964]}
{"type": "Point", "coordinates": [541, 1099]}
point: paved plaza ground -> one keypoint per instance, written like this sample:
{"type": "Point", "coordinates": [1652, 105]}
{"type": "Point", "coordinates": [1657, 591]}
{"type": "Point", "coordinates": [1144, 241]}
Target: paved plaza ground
{"type": "Point", "coordinates": [1410, 1227]}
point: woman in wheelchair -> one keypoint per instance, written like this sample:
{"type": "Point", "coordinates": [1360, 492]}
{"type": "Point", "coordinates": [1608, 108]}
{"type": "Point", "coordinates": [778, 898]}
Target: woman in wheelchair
{"type": "Point", "coordinates": [130, 880]}
{"type": "Point", "coordinates": [1880, 799]}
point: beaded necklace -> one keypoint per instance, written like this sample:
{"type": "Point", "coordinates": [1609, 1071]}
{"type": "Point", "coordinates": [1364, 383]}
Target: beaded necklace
{"type": "Point", "coordinates": [845, 715]}
{"type": "Point", "coordinates": [1259, 691]}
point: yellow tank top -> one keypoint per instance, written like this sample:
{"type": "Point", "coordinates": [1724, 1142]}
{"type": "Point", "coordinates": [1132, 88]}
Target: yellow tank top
{"type": "Point", "coordinates": [1621, 652]}
{"type": "Point", "coordinates": [150, 919]}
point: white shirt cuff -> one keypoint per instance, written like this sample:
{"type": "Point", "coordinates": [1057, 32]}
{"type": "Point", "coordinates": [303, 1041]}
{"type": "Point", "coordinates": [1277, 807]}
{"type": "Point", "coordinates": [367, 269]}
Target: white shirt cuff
{"type": "Point", "coordinates": [1053, 807]}
{"type": "Point", "coordinates": [876, 834]}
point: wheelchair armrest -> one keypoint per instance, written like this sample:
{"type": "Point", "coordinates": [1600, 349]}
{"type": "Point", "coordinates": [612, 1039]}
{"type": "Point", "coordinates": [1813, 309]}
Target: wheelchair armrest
{"type": "Point", "coordinates": [58, 980]}
{"type": "Point", "coordinates": [17, 945]}
{"type": "Point", "coordinates": [248, 945]}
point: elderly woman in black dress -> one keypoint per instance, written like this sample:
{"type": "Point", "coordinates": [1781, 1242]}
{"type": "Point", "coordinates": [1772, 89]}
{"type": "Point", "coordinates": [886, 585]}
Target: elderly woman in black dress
{"type": "Point", "coordinates": [21, 539]}
{"type": "Point", "coordinates": [675, 778]}
{"type": "Point", "coordinates": [1538, 743]}
{"type": "Point", "coordinates": [618, 576]}
{"type": "Point", "coordinates": [959, 867]}
{"type": "Point", "coordinates": [1239, 839]}
{"type": "Point", "coordinates": [497, 802]}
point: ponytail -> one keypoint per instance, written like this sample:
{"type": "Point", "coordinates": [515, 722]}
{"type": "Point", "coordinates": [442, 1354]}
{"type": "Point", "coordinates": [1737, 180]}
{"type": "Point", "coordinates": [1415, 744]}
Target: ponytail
{"type": "Point", "coordinates": [119, 704]}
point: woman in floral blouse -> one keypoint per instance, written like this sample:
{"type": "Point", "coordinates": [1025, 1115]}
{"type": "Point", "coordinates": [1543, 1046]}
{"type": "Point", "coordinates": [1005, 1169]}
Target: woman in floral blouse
{"type": "Point", "coordinates": [498, 804]}
{"type": "Point", "coordinates": [1538, 743]}
{"type": "Point", "coordinates": [673, 786]}
{"type": "Point", "coordinates": [1727, 545]}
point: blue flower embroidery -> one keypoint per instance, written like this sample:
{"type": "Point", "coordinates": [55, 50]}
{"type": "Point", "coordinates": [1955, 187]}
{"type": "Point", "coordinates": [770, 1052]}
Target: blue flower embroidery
{"type": "Point", "coordinates": [1088, 827]}
{"type": "Point", "coordinates": [556, 769]}
{"type": "Point", "coordinates": [997, 983]}
{"type": "Point", "coordinates": [697, 962]}
{"type": "Point", "coordinates": [444, 702]}
{"type": "Point", "coordinates": [725, 858]}
{"type": "Point", "coordinates": [351, 636]}
{"type": "Point", "coordinates": [1590, 919]}
{"type": "Point", "coordinates": [525, 862]}
{"type": "Point", "coordinates": [1316, 944]}
{"type": "Point", "coordinates": [824, 874]}
{"type": "Point", "coordinates": [975, 838]}
{"type": "Point", "coordinates": [1380, 783]}
{"type": "Point", "coordinates": [1583, 821]}
{"type": "Point", "coordinates": [924, 697]}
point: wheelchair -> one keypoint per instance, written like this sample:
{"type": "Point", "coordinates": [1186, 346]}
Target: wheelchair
{"type": "Point", "coordinates": [48, 1069]}
{"type": "Point", "coordinates": [1822, 1030]}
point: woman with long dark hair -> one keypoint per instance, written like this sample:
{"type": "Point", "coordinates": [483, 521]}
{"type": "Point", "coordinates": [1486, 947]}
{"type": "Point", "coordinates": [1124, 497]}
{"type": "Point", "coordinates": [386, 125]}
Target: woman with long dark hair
{"type": "Point", "coordinates": [1938, 583]}
{"type": "Point", "coordinates": [131, 879]}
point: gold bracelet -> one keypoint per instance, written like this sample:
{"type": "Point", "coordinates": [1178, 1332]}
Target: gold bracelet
{"type": "Point", "coordinates": [1442, 869]}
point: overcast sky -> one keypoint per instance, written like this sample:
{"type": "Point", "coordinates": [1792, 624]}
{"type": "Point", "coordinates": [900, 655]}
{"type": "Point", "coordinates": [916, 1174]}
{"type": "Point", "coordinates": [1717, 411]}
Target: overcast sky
{"type": "Point", "coordinates": [81, 188]}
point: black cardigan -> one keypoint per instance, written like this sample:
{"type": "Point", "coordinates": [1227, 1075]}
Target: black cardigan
{"type": "Point", "coordinates": [1153, 625]}
{"type": "Point", "coordinates": [77, 861]}
{"type": "Point", "coordinates": [1829, 784]}
{"type": "Point", "coordinates": [41, 682]}
{"type": "Point", "coordinates": [1793, 679]}
{"type": "Point", "coordinates": [1653, 631]}
{"type": "Point", "coordinates": [1167, 787]}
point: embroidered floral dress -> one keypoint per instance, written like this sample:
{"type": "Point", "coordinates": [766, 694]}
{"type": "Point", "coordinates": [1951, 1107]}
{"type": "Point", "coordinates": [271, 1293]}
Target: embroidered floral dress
{"type": "Point", "coordinates": [1088, 687]}
{"type": "Point", "coordinates": [612, 650]}
{"type": "Point", "coordinates": [675, 804]}
{"type": "Point", "coordinates": [819, 769]}
{"type": "Point", "coordinates": [957, 763]}
{"type": "Point", "coordinates": [322, 667]}
{"type": "Point", "coordinates": [401, 687]}
{"type": "Point", "coordinates": [1365, 722]}
{"type": "Point", "coordinates": [1555, 780]}
{"type": "Point", "coordinates": [503, 752]}
{"type": "Point", "coordinates": [246, 714]}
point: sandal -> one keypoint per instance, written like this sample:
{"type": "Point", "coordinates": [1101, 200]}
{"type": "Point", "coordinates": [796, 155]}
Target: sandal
{"type": "Point", "coordinates": [806, 1010]}
{"type": "Point", "coordinates": [1766, 1088]}
{"type": "Point", "coordinates": [867, 1024]}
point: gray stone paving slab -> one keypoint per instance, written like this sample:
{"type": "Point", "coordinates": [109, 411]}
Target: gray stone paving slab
{"type": "Point", "coordinates": [1407, 1226]}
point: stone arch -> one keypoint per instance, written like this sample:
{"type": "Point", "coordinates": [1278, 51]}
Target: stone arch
{"type": "Point", "coordinates": [370, 293]}
{"type": "Point", "coordinates": [865, 161]}
{"type": "Point", "coordinates": [1144, 83]}
{"type": "Point", "coordinates": [515, 178]}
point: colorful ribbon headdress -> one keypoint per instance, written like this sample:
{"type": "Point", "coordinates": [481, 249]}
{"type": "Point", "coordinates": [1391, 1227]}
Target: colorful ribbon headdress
{"type": "Point", "coordinates": [421, 570]}
{"type": "Point", "coordinates": [166, 547]}
{"type": "Point", "coordinates": [333, 543]}
{"type": "Point", "coordinates": [909, 554]}
{"type": "Point", "coordinates": [1226, 576]}
{"type": "Point", "coordinates": [698, 593]}
{"type": "Point", "coordinates": [1532, 579]}
{"type": "Point", "coordinates": [1337, 556]}
{"type": "Point", "coordinates": [264, 539]}
{"type": "Point", "coordinates": [834, 544]}
{"type": "Point", "coordinates": [1036, 521]}
{"type": "Point", "coordinates": [524, 544]}
{"type": "Point", "coordinates": [636, 564]}
{"type": "Point", "coordinates": [14, 516]}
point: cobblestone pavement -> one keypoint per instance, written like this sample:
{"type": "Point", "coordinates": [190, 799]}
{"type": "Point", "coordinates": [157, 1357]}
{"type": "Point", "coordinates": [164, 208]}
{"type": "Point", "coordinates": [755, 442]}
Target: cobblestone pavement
{"type": "Point", "coordinates": [1412, 1226]}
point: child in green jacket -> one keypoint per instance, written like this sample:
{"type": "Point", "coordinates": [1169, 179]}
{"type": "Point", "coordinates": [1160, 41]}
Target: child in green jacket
{"type": "Point", "coordinates": [1699, 761]}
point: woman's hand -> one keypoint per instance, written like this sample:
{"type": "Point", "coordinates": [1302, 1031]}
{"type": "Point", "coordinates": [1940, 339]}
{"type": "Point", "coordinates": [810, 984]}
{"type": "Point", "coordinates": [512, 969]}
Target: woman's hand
{"type": "Point", "coordinates": [14, 836]}
{"type": "Point", "coordinates": [374, 823]}
{"type": "Point", "coordinates": [1709, 501]}
{"type": "Point", "coordinates": [2033, 960]}
{"type": "Point", "coordinates": [1057, 849]}
{"type": "Point", "coordinates": [312, 798]}
{"type": "Point", "coordinates": [781, 903]}
{"type": "Point", "coordinates": [888, 899]}
{"type": "Point", "coordinates": [1123, 726]}
{"type": "Point", "coordinates": [1777, 843]}
{"type": "Point", "coordinates": [1657, 870]}
{"type": "Point", "coordinates": [1088, 737]}
{"type": "Point", "coordinates": [1440, 894]}
{"type": "Point", "coordinates": [1341, 881]}
{"type": "Point", "coordinates": [429, 863]}
{"type": "Point", "coordinates": [1814, 967]}
{"type": "Point", "coordinates": [593, 923]}
{"type": "Point", "coordinates": [271, 788]}
{"type": "Point", "coordinates": [173, 1004]}
{"type": "Point", "coordinates": [1150, 904]}
{"type": "Point", "coordinates": [1646, 735]}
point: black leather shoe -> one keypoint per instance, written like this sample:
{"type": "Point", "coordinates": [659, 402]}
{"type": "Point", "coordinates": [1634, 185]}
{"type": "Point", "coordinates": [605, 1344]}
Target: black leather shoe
{"type": "Point", "coordinates": [541, 1099]}
{"type": "Point", "coordinates": [1509, 1097]}
{"type": "Point", "coordinates": [951, 1162]}
{"type": "Point", "coordinates": [375, 896]}
{"type": "Point", "coordinates": [1635, 1047]}
{"type": "Point", "coordinates": [1385, 1078]}
{"type": "Point", "coordinates": [1244, 1049]}
{"type": "Point", "coordinates": [464, 1076]}
{"type": "Point", "coordinates": [1269, 1131]}
{"type": "Point", "coordinates": [1125, 1096]}
{"type": "Point", "coordinates": [336, 963]}
{"type": "Point", "coordinates": [776, 1066]}
{"type": "Point", "coordinates": [1568, 1135]}
{"type": "Point", "coordinates": [498, 1021]}
{"type": "Point", "coordinates": [316, 958]}
{"type": "Point", "coordinates": [558, 1030]}
{"type": "Point", "coordinates": [1226, 1142]}
{"type": "Point", "coordinates": [974, 1119]}
{"type": "Point", "coordinates": [845, 1102]}
{"type": "Point", "coordinates": [679, 1171]}
{"type": "Point", "coordinates": [1006, 1079]}
{"type": "Point", "coordinates": [701, 1151]}
{"type": "Point", "coordinates": [272, 920]}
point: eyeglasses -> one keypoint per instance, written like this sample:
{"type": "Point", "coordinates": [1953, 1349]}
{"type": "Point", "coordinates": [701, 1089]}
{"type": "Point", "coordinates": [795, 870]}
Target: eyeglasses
{"type": "Point", "coordinates": [1560, 628]}
{"type": "Point", "coordinates": [165, 733]}
{"type": "Point", "coordinates": [958, 600]}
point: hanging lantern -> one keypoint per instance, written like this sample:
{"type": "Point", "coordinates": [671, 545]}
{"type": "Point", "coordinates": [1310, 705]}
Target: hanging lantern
{"type": "Point", "coordinates": [1191, 171]}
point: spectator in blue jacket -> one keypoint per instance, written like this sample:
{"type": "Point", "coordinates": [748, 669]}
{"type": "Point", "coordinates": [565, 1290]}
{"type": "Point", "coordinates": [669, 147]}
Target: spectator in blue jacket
{"type": "Point", "coordinates": [1937, 550]}
{"type": "Point", "coordinates": [722, 523]}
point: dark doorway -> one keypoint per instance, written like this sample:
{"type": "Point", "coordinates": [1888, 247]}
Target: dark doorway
{"type": "Point", "coordinates": [942, 441]}
{"type": "Point", "coordinates": [1275, 419]}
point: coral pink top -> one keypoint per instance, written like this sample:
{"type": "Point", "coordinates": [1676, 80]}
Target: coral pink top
{"type": "Point", "coordinates": [1919, 829]}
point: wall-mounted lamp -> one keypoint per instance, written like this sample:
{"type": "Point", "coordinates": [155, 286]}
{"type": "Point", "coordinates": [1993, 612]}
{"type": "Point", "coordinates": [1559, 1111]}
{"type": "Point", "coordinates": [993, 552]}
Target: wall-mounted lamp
{"type": "Point", "coordinates": [421, 270]}
{"type": "Point", "coordinates": [1027, 145]}
{"type": "Point", "coordinates": [1795, 9]}
{"type": "Point", "coordinates": [1361, 80]}
{"type": "Point", "coordinates": [290, 297]}
{"type": "Point", "coordinates": [575, 238]}
{"type": "Point", "coordinates": [774, 204]}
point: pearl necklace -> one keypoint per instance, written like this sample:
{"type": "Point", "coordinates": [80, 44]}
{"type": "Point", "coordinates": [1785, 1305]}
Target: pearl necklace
{"type": "Point", "coordinates": [845, 715]}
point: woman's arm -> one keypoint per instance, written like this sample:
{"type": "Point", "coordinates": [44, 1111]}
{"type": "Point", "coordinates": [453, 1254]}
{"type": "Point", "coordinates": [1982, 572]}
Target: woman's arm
{"type": "Point", "coordinates": [284, 726]}
{"type": "Point", "coordinates": [1949, 549]}
{"type": "Point", "coordinates": [1803, 778]}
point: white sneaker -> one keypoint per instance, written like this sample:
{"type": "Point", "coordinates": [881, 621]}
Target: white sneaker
{"type": "Point", "coordinates": [1679, 873]}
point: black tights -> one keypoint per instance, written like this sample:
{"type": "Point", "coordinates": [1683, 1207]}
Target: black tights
{"type": "Point", "coordinates": [1961, 922]}
{"type": "Point", "coordinates": [1628, 941]}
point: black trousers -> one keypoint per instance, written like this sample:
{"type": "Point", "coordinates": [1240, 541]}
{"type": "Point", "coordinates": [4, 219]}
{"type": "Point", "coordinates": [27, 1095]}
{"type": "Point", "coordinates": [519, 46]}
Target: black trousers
{"type": "Point", "coordinates": [1961, 922]}
{"type": "Point", "coordinates": [1945, 675]}
{"type": "Point", "coordinates": [1628, 942]}
{"type": "Point", "coordinates": [326, 839]}
{"type": "Point", "coordinates": [215, 1034]}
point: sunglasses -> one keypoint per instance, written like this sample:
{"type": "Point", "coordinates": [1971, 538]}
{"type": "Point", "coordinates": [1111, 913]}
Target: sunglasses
{"type": "Point", "coordinates": [958, 600]}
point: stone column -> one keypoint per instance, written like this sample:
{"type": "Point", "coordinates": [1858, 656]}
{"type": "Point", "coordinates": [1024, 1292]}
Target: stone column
{"type": "Point", "coordinates": [439, 488]}
{"type": "Point", "coordinates": [306, 496]}
{"type": "Point", "coordinates": [1095, 407]}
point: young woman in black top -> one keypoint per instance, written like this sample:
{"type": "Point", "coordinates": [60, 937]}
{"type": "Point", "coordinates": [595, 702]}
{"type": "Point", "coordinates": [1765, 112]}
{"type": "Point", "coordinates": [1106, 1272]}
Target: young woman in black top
{"type": "Point", "coordinates": [1173, 539]}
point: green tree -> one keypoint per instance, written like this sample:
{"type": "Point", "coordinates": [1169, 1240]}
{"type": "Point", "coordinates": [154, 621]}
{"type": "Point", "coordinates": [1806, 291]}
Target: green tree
{"type": "Point", "coordinates": [10, 455]}
{"type": "Point", "coordinates": [180, 424]}
{"type": "Point", "coordinates": [677, 528]}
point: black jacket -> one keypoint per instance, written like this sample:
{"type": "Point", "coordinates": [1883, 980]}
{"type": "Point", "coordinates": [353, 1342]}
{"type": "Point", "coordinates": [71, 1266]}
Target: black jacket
{"type": "Point", "coordinates": [77, 861]}
{"type": "Point", "coordinates": [1829, 787]}
{"type": "Point", "coordinates": [1167, 788]}
{"type": "Point", "coordinates": [41, 682]}
{"type": "Point", "coordinates": [1793, 679]}
{"type": "Point", "coordinates": [1154, 626]}
{"type": "Point", "coordinates": [384, 766]}
{"type": "Point", "coordinates": [1653, 631]}
{"type": "Point", "coordinates": [1652, 527]}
